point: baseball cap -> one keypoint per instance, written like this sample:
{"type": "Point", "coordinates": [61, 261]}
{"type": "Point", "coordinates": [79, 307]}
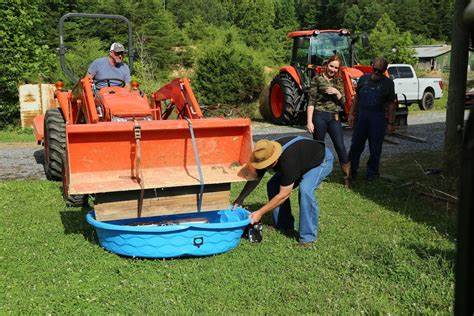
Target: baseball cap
{"type": "Point", "coordinates": [117, 47]}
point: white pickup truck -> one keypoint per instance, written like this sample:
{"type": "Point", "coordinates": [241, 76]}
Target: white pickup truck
{"type": "Point", "coordinates": [411, 89]}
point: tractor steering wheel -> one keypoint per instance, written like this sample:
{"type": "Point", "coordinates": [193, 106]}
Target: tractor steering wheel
{"type": "Point", "coordinates": [109, 80]}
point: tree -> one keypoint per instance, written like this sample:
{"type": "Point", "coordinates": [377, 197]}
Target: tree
{"type": "Point", "coordinates": [255, 18]}
{"type": "Point", "coordinates": [386, 40]}
{"type": "Point", "coordinates": [24, 55]}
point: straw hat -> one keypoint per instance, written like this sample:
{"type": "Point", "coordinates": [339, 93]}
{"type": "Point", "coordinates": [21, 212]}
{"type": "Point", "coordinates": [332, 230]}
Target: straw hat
{"type": "Point", "coordinates": [265, 153]}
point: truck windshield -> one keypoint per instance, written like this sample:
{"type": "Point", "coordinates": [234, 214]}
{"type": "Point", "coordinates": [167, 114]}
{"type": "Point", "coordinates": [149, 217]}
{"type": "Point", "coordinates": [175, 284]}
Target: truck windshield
{"type": "Point", "coordinates": [324, 45]}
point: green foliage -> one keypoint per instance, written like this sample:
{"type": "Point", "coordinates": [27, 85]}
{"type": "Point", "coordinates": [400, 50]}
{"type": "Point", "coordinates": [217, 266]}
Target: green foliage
{"type": "Point", "coordinates": [9, 114]}
{"type": "Point", "coordinates": [362, 17]}
{"type": "Point", "coordinates": [79, 56]}
{"type": "Point", "coordinates": [386, 40]}
{"type": "Point", "coordinates": [255, 18]}
{"type": "Point", "coordinates": [16, 134]}
{"type": "Point", "coordinates": [24, 56]}
{"type": "Point", "coordinates": [227, 72]}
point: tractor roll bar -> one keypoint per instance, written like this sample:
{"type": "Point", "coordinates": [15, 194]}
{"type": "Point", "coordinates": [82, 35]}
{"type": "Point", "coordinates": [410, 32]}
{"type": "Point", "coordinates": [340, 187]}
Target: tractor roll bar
{"type": "Point", "coordinates": [62, 47]}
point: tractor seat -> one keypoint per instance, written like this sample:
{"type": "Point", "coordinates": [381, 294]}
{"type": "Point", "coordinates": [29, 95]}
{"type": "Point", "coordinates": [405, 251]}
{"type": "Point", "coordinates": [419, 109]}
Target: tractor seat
{"type": "Point", "coordinates": [123, 102]}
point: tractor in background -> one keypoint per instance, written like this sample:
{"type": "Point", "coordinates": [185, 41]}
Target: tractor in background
{"type": "Point", "coordinates": [284, 101]}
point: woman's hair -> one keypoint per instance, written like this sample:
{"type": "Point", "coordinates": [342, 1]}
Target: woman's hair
{"type": "Point", "coordinates": [334, 57]}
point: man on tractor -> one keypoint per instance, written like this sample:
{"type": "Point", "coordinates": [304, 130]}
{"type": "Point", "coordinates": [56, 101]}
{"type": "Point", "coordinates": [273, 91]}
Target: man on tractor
{"type": "Point", "coordinates": [110, 70]}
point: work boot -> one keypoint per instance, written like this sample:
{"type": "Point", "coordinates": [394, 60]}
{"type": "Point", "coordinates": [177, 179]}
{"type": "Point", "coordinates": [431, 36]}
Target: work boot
{"type": "Point", "coordinates": [346, 169]}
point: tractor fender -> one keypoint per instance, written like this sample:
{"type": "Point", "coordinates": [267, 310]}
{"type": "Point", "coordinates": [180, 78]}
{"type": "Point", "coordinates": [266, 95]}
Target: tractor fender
{"type": "Point", "coordinates": [348, 74]}
{"type": "Point", "coordinates": [293, 73]}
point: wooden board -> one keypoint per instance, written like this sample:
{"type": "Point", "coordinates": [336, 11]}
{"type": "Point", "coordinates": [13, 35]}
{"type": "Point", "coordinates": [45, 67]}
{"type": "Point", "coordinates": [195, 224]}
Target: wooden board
{"type": "Point", "coordinates": [122, 205]}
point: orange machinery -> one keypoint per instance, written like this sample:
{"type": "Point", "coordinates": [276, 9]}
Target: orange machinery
{"type": "Point", "coordinates": [284, 101]}
{"type": "Point", "coordinates": [118, 139]}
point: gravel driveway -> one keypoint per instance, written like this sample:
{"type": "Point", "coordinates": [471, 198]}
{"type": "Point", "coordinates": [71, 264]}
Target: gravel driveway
{"type": "Point", "coordinates": [24, 160]}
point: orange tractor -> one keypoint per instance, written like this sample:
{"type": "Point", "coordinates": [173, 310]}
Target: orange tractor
{"type": "Point", "coordinates": [284, 101]}
{"type": "Point", "coordinates": [119, 139]}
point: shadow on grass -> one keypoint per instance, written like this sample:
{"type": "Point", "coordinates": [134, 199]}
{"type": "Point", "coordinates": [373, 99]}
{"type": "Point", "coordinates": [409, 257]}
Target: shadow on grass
{"type": "Point", "coordinates": [426, 252]}
{"type": "Point", "coordinates": [74, 222]}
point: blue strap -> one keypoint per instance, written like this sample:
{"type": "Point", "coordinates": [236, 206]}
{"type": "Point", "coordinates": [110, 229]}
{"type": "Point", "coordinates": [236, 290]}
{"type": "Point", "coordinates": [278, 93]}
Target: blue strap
{"type": "Point", "coordinates": [294, 140]}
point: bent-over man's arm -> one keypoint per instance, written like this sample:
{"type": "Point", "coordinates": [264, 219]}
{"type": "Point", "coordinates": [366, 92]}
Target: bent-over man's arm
{"type": "Point", "coordinates": [277, 200]}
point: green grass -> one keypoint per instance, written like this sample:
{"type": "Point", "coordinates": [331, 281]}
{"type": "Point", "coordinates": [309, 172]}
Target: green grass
{"type": "Point", "coordinates": [381, 249]}
{"type": "Point", "coordinates": [16, 135]}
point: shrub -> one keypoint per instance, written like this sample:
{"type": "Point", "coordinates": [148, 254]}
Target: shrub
{"type": "Point", "coordinates": [9, 114]}
{"type": "Point", "coordinates": [227, 72]}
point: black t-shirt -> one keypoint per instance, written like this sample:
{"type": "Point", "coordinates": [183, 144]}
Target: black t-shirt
{"type": "Point", "coordinates": [297, 159]}
{"type": "Point", "coordinates": [375, 95]}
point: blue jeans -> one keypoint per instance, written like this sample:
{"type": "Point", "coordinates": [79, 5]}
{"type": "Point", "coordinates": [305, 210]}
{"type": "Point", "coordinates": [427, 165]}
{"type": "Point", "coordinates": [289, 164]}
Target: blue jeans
{"type": "Point", "coordinates": [309, 210]}
{"type": "Point", "coordinates": [324, 122]}
{"type": "Point", "coordinates": [371, 126]}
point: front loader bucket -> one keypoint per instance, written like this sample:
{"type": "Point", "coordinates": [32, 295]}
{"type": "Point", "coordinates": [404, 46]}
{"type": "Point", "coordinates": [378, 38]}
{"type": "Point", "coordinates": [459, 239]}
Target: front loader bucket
{"type": "Point", "coordinates": [102, 157]}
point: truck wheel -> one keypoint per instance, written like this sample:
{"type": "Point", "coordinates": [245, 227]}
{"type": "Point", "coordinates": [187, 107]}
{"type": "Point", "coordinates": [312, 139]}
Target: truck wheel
{"type": "Point", "coordinates": [427, 101]}
{"type": "Point", "coordinates": [281, 101]}
{"type": "Point", "coordinates": [54, 144]}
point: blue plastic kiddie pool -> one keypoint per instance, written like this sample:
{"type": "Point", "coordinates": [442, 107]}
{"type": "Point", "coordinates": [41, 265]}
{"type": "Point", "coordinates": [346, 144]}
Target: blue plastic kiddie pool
{"type": "Point", "coordinates": [194, 234]}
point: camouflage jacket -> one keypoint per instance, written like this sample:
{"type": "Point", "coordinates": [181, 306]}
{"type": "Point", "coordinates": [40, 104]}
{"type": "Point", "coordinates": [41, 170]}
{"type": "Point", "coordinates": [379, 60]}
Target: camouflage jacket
{"type": "Point", "coordinates": [323, 101]}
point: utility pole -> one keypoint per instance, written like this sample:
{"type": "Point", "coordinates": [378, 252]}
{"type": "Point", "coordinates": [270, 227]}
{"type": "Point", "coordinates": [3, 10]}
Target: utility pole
{"type": "Point", "coordinates": [457, 89]}
{"type": "Point", "coordinates": [464, 290]}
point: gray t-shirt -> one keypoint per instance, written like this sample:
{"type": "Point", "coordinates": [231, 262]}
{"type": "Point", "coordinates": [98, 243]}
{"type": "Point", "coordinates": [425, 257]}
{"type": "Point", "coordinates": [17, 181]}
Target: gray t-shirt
{"type": "Point", "coordinates": [102, 69]}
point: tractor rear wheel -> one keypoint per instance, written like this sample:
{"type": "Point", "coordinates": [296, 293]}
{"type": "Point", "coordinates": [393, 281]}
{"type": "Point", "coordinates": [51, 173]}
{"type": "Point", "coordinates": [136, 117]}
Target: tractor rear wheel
{"type": "Point", "coordinates": [54, 144]}
{"type": "Point", "coordinates": [279, 106]}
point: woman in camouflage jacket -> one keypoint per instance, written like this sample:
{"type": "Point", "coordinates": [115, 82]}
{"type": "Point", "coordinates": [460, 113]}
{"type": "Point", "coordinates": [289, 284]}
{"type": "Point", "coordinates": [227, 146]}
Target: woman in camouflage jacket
{"type": "Point", "coordinates": [326, 99]}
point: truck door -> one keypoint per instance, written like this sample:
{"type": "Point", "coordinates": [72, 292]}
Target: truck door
{"type": "Point", "coordinates": [406, 83]}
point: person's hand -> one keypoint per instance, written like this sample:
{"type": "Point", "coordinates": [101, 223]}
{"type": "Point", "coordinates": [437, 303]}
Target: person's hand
{"type": "Point", "coordinates": [255, 217]}
{"type": "Point", "coordinates": [350, 120]}
{"type": "Point", "coordinates": [390, 129]}
{"type": "Point", "coordinates": [332, 90]}
{"type": "Point", "coordinates": [310, 127]}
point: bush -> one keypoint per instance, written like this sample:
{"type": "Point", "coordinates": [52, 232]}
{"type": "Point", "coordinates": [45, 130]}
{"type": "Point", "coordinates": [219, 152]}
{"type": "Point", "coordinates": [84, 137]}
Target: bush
{"type": "Point", "coordinates": [227, 72]}
{"type": "Point", "coordinates": [9, 115]}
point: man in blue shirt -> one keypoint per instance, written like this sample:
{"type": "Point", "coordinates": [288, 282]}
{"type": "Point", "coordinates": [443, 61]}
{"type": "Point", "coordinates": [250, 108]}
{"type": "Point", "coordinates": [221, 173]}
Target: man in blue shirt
{"type": "Point", "coordinates": [110, 67]}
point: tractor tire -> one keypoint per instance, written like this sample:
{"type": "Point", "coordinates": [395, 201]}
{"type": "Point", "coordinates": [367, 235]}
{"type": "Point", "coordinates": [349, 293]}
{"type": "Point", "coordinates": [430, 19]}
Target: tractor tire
{"type": "Point", "coordinates": [54, 144]}
{"type": "Point", "coordinates": [281, 102]}
{"type": "Point", "coordinates": [427, 101]}
{"type": "Point", "coordinates": [264, 104]}
{"type": "Point", "coordinates": [76, 200]}
{"type": "Point", "coordinates": [73, 200]}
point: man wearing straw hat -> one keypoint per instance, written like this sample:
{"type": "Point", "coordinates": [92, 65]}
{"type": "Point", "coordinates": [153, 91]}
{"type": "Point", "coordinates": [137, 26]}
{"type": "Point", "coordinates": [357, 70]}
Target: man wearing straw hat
{"type": "Point", "coordinates": [296, 161]}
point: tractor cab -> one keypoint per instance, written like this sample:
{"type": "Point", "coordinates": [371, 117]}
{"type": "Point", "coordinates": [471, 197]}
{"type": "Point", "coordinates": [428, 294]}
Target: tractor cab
{"type": "Point", "coordinates": [315, 46]}
{"type": "Point", "coordinates": [311, 48]}
{"type": "Point", "coordinates": [285, 100]}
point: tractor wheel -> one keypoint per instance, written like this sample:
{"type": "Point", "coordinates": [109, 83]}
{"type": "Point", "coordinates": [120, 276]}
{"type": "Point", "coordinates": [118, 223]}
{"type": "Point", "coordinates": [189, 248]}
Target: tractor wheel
{"type": "Point", "coordinates": [427, 101]}
{"type": "Point", "coordinates": [72, 200]}
{"type": "Point", "coordinates": [282, 100]}
{"type": "Point", "coordinates": [54, 144]}
{"type": "Point", "coordinates": [76, 200]}
{"type": "Point", "coordinates": [264, 101]}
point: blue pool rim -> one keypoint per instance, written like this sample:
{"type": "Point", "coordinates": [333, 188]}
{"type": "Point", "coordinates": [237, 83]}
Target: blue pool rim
{"type": "Point", "coordinates": [220, 236]}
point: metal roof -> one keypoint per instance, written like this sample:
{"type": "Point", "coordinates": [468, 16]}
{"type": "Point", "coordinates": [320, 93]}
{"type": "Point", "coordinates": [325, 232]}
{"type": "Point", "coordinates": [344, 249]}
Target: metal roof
{"type": "Point", "coordinates": [429, 51]}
